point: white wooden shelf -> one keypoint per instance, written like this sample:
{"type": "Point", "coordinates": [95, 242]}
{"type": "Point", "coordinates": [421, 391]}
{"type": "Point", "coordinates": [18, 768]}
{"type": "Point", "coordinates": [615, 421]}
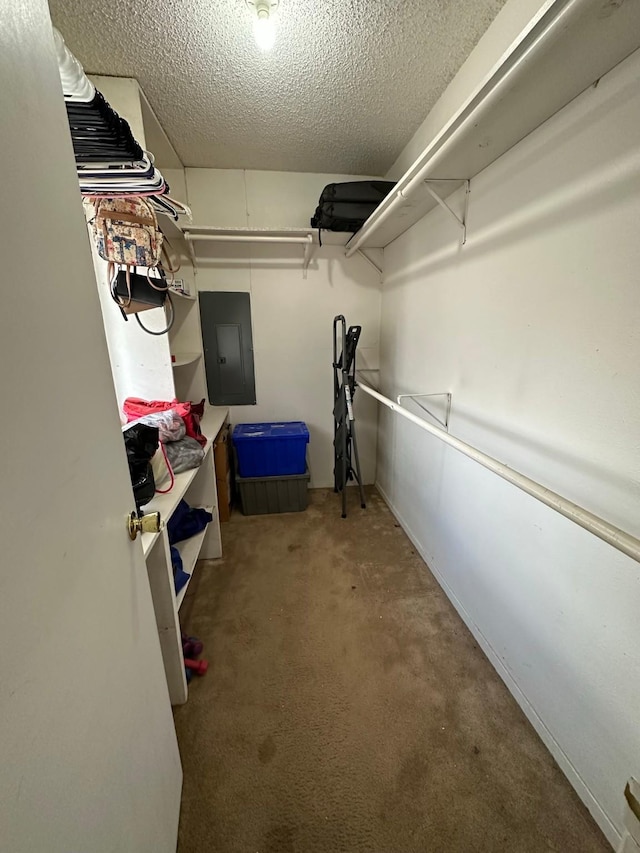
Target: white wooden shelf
{"type": "Point", "coordinates": [155, 380]}
{"type": "Point", "coordinates": [190, 297]}
{"type": "Point", "coordinates": [198, 487]}
{"type": "Point", "coordinates": [189, 551]}
{"type": "Point", "coordinates": [213, 419]}
{"type": "Point", "coordinates": [170, 228]}
{"type": "Point", "coordinates": [554, 59]}
{"type": "Point", "coordinates": [166, 504]}
{"type": "Point", "coordinates": [183, 358]}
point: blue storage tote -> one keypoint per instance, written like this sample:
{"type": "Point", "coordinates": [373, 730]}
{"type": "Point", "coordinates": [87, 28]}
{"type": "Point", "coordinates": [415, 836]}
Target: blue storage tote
{"type": "Point", "coordinates": [271, 450]}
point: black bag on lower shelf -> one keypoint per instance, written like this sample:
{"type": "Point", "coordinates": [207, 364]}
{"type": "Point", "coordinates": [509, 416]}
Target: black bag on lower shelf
{"type": "Point", "coordinates": [141, 442]}
{"type": "Point", "coordinates": [346, 206]}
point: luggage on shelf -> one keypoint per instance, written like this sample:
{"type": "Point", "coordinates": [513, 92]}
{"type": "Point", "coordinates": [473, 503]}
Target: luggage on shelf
{"type": "Point", "coordinates": [346, 206]}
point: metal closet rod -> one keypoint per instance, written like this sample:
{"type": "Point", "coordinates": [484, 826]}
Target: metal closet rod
{"type": "Point", "coordinates": [247, 238]}
{"type": "Point", "coordinates": [616, 537]}
{"type": "Point", "coordinates": [305, 240]}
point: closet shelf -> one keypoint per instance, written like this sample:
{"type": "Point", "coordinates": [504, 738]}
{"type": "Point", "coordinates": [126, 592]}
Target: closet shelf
{"type": "Point", "coordinates": [183, 358]}
{"type": "Point", "coordinates": [166, 504]}
{"type": "Point", "coordinates": [213, 419]}
{"type": "Point", "coordinates": [170, 228]}
{"type": "Point", "coordinates": [189, 550]}
{"type": "Point", "coordinates": [181, 295]}
{"type": "Point", "coordinates": [552, 60]}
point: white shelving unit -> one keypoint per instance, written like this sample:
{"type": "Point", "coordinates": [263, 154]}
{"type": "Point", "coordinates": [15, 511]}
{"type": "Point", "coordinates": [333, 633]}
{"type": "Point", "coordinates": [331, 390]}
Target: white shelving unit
{"type": "Point", "coordinates": [183, 358]}
{"type": "Point", "coordinates": [198, 488]}
{"type": "Point", "coordinates": [150, 373]}
{"type": "Point", "coordinates": [190, 550]}
{"type": "Point", "coordinates": [555, 58]}
{"type": "Point", "coordinates": [188, 296]}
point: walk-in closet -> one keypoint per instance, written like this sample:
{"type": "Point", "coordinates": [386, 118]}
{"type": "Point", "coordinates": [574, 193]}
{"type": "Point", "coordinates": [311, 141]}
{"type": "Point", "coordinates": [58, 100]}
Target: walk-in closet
{"type": "Point", "coordinates": [321, 334]}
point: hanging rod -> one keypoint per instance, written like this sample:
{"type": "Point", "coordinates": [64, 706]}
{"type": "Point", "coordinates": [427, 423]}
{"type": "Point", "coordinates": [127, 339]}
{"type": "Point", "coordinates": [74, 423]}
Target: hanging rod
{"type": "Point", "coordinates": [304, 240]}
{"type": "Point", "coordinates": [247, 238]}
{"type": "Point", "coordinates": [614, 536]}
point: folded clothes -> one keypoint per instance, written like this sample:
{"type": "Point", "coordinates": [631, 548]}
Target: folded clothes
{"type": "Point", "coordinates": [186, 522]}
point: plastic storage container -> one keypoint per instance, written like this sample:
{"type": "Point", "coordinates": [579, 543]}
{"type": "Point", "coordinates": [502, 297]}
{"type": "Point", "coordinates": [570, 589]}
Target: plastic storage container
{"type": "Point", "coordinates": [270, 450]}
{"type": "Point", "coordinates": [260, 495]}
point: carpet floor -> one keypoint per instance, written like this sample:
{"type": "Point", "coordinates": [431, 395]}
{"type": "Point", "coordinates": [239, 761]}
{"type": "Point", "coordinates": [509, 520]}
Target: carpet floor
{"type": "Point", "coordinates": [347, 708]}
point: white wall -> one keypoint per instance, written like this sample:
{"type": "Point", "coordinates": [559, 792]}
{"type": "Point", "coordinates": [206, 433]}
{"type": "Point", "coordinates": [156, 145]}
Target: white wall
{"type": "Point", "coordinates": [291, 317]}
{"type": "Point", "coordinates": [534, 326]}
{"type": "Point", "coordinates": [235, 198]}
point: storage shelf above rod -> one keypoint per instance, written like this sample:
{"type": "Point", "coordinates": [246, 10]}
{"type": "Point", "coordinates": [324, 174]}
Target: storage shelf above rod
{"type": "Point", "coordinates": [558, 55]}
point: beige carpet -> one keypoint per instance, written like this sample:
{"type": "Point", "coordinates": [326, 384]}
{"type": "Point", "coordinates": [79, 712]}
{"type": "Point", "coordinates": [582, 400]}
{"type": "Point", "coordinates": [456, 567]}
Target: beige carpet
{"type": "Point", "coordinates": [347, 708]}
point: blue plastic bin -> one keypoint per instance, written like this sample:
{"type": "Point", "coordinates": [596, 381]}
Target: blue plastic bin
{"type": "Point", "coordinates": [271, 450]}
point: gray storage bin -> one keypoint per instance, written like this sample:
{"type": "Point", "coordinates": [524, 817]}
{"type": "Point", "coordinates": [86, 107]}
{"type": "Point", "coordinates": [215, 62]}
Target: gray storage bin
{"type": "Point", "coordinates": [260, 495]}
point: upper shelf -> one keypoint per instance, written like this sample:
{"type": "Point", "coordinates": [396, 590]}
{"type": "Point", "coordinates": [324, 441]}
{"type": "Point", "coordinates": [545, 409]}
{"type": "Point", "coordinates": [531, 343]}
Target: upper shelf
{"type": "Point", "coordinates": [213, 419]}
{"type": "Point", "coordinates": [170, 228]}
{"type": "Point", "coordinates": [189, 296]}
{"type": "Point", "coordinates": [183, 358]}
{"type": "Point", "coordinates": [555, 58]}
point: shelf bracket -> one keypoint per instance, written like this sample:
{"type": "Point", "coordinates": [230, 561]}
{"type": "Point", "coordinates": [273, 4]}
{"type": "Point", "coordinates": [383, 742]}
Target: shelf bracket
{"type": "Point", "coordinates": [307, 255]}
{"type": "Point", "coordinates": [416, 398]}
{"type": "Point", "coordinates": [462, 223]}
{"type": "Point", "coordinates": [369, 261]}
{"type": "Point", "coordinates": [192, 252]}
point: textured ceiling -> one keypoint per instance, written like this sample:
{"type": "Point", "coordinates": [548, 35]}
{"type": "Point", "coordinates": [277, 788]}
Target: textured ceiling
{"type": "Point", "coordinates": [343, 90]}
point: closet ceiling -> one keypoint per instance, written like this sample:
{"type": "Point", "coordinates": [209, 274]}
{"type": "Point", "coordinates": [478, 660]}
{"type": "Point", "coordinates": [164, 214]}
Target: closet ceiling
{"type": "Point", "coordinates": [343, 90]}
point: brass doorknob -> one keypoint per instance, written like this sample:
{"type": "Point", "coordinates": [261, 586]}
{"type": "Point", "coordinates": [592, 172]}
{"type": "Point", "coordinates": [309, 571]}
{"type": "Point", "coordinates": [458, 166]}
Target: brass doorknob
{"type": "Point", "coordinates": [149, 523]}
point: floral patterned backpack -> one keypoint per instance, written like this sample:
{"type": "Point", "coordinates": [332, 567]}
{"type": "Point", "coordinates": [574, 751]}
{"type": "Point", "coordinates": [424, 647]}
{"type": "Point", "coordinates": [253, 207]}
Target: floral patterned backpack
{"type": "Point", "coordinates": [126, 233]}
{"type": "Point", "coordinates": [127, 236]}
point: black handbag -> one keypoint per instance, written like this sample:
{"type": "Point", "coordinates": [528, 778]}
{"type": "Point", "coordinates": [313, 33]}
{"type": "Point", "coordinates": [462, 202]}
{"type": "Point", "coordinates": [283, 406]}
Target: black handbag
{"type": "Point", "coordinates": [141, 442]}
{"type": "Point", "coordinates": [134, 292]}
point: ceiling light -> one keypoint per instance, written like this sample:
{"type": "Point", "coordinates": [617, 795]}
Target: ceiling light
{"type": "Point", "coordinates": [264, 25]}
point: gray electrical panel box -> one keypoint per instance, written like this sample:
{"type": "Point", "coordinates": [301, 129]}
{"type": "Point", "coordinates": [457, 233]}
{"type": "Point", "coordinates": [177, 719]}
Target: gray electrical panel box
{"type": "Point", "coordinates": [228, 348]}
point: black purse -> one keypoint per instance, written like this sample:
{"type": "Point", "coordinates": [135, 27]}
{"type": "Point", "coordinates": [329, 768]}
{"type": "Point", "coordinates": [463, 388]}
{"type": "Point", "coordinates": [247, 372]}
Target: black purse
{"type": "Point", "coordinates": [141, 442]}
{"type": "Point", "coordinates": [133, 293]}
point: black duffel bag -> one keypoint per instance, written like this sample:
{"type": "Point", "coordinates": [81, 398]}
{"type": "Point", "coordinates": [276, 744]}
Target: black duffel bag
{"type": "Point", "coordinates": [345, 207]}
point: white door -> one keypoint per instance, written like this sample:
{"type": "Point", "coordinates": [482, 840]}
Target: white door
{"type": "Point", "coordinates": [88, 753]}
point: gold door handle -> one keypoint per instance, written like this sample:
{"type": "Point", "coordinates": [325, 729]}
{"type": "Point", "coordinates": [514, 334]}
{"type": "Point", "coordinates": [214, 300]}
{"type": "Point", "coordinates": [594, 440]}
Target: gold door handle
{"type": "Point", "coordinates": [149, 523]}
